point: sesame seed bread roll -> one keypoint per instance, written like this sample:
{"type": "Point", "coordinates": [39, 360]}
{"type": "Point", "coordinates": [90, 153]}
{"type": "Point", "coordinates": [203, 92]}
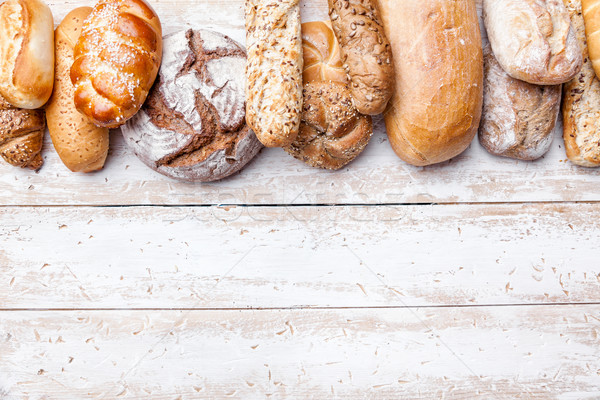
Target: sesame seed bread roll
{"type": "Point", "coordinates": [274, 70]}
{"type": "Point", "coordinates": [80, 144]}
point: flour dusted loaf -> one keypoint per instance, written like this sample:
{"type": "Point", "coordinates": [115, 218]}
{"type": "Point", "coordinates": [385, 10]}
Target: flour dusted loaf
{"type": "Point", "coordinates": [518, 117]}
{"type": "Point", "coordinates": [274, 71]}
{"type": "Point", "coordinates": [581, 103]}
{"type": "Point", "coordinates": [81, 145]}
{"type": "Point", "coordinates": [26, 53]}
{"type": "Point", "coordinates": [21, 136]}
{"type": "Point", "coordinates": [192, 127]}
{"type": "Point", "coordinates": [533, 40]}
{"type": "Point", "coordinates": [435, 111]}
{"type": "Point", "coordinates": [117, 57]}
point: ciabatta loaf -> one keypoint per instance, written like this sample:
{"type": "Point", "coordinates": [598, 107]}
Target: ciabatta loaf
{"type": "Point", "coordinates": [435, 111]}
{"type": "Point", "coordinates": [274, 70]}
{"type": "Point", "coordinates": [26, 53]}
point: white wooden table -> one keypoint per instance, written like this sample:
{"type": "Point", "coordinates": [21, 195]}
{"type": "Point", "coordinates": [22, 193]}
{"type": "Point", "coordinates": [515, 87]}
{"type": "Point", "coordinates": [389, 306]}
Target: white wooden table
{"type": "Point", "coordinates": [477, 278]}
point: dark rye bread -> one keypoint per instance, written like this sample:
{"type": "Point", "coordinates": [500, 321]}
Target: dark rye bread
{"type": "Point", "coordinates": [193, 127]}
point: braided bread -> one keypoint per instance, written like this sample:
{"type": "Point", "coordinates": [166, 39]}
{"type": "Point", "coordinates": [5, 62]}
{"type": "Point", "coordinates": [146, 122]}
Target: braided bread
{"type": "Point", "coordinates": [21, 136]}
{"type": "Point", "coordinates": [116, 60]}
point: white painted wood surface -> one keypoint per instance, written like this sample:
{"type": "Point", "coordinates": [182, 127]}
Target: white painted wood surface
{"type": "Point", "coordinates": [494, 296]}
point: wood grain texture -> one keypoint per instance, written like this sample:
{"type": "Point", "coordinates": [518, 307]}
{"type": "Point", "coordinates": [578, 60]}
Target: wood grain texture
{"type": "Point", "coordinates": [222, 257]}
{"type": "Point", "coordinates": [456, 353]}
{"type": "Point", "coordinates": [274, 177]}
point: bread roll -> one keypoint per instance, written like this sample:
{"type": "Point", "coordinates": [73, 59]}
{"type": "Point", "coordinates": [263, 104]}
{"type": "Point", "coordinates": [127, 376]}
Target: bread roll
{"type": "Point", "coordinates": [193, 126]}
{"type": "Point", "coordinates": [366, 53]}
{"type": "Point", "coordinates": [581, 103]}
{"type": "Point", "coordinates": [518, 117]}
{"type": "Point", "coordinates": [274, 70]}
{"type": "Point", "coordinates": [322, 60]}
{"type": "Point", "coordinates": [116, 60]}
{"type": "Point", "coordinates": [26, 53]}
{"type": "Point", "coordinates": [435, 111]}
{"type": "Point", "coordinates": [21, 136]}
{"type": "Point", "coordinates": [591, 16]}
{"type": "Point", "coordinates": [81, 145]}
{"type": "Point", "coordinates": [533, 40]}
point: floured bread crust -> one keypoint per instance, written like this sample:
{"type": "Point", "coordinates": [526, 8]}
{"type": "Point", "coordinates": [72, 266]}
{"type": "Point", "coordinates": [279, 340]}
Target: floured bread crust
{"type": "Point", "coordinates": [581, 103]}
{"type": "Point", "coordinates": [533, 40]}
{"type": "Point", "coordinates": [518, 118]}
{"type": "Point", "coordinates": [192, 126]}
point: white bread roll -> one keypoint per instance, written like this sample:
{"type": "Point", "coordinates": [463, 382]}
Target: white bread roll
{"type": "Point", "coordinates": [26, 53]}
{"type": "Point", "coordinates": [435, 111]}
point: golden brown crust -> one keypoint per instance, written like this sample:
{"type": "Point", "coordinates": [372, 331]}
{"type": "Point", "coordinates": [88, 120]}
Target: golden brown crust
{"type": "Point", "coordinates": [591, 16]}
{"type": "Point", "coordinates": [21, 136]}
{"type": "Point", "coordinates": [116, 60]}
{"type": "Point", "coordinates": [322, 59]}
{"type": "Point", "coordinates": [436, 108]}
{"type": "Point", "coordinates": [366, 53]}
{"type": "Point", "coordinates": [332, 133]}
{"type": "Point", "coordinates": [80, 144]}
{"type": "Point", "coordinates": [26, 53]}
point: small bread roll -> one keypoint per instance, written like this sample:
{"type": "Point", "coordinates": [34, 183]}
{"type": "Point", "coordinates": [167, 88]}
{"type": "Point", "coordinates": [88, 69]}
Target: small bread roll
{"type": "Point", "coordinates": [81, 145]}
{"type": "Point", "coordinates": [591, 16]}
{"type": "Point", "coordinates": [26, 53]}
{"type": "Point", "coordinates": [322, 59]}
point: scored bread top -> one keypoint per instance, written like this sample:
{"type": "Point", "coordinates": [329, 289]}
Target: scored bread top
{"type": "Point", "coordinates": [322, 59]}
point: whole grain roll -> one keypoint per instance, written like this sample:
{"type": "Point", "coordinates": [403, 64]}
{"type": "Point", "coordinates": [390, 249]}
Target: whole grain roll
{"type": "Point", "coordinates": [192, 127]}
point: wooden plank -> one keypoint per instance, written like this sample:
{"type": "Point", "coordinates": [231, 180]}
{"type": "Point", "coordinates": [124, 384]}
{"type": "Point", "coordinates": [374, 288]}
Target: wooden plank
{"type": "Point", "coordinates": [538, 352]}
{"type": "Point", "coordinates": [377, 177]}
{"type": "Point", "coordinates": [212, 257]}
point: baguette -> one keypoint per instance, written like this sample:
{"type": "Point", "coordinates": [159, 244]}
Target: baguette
{"type": "Point", "coordinates": [274, 70]}
{"type": "Point", "coordinates": [80, 144]}
{"type": "Point", "coordinates": [581, 103]}
{"type": "Point", "coordinates": [435, 111]}
{"type": "Point", "coordinates": [26, 53]}
{"type": "Point", "coordinates": [366, 53]}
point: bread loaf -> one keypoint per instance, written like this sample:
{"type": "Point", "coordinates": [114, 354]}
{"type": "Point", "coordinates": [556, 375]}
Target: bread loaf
{"type": "Point", "coordinates": [117, 57]}
{"type": "Point", "coordinates": [21, 136]}
{"type": "Point", "coordinates": [193, 127]}
{"type": "Point", "coordinates": [26, 53]}
{"type": "Point", "coordinates": [591, 16]}
{"type": "Point", "coordinates": [366, 53]}
{"type": "Point", "coordinates": [81, 145]}
{"type": "Point", "coordinates": [533, 40]}
{"type": "Point", "coordinates": [435, 111]}
{"type": "Point", "coordinates": [321, 52]}
{"type": "Point", "coordinates": [518, 117]}
{"type": "Point", "coordinates": [274, 70]}
{"type": "Point", "coordinates": [581, 103]}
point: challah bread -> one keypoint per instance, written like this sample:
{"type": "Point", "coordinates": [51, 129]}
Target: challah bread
{"type": "Point", "coordinates": [435, 111]}
{"type": "Point", "coordinates": [81, 145]}
{"type": "Point", "coordinates": [274, 70]}
{"type": "Point", "coordinates": [366, 53]}
{"type": "Point", "coordinates": [533, 40]}
{"type": "Point", "coordinates": [518, 117]}
{"type": "Point", "coordinates": [321, 52]}
{"type": "Point", "coordinates": [21, 136]}
{"type": "Point", "coordinates": [591, 16]}
{"type": "Point", "coordinates": [26, 53]}
{"type": "Point", "coordinates": [581, 102]}
{"type": "Point", "coordinates": [116, 60]}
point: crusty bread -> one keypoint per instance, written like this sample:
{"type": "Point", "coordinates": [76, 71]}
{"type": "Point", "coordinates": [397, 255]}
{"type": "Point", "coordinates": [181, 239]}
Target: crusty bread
{"type": "Point", "coordinates": [21, 136]}
{"type": "Point", "coordinates": [591, 16]}
{"type": "Point", "coordinates": [117, 57]}
{"type": "Point", "coordinates": [435, 111]}
{"type": "Point", "coordinates": [274, 70]}
{"type": "Point", "coordinates": [581, 103]}
{"type": "Point", "coordinates": [26, 53]}
{"type": "Point", "coordinates": [533, 40]}
{"type": "Point", "coordinates": [366, 53]}
{"type": "Point", "coordinates": [192, 126]}
{"type": "Point", "coordinates": [518, 117]}
{"type": "Point", "coordinates": [81, 145]}
{"type": "Point", "coordinates": [322, 60]}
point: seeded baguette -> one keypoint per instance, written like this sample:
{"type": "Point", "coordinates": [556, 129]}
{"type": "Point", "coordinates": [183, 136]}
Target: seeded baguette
{"type": "Point", "coordinates": [366, 53]}
{"type": "Point", "coordinates": [274, 70]}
